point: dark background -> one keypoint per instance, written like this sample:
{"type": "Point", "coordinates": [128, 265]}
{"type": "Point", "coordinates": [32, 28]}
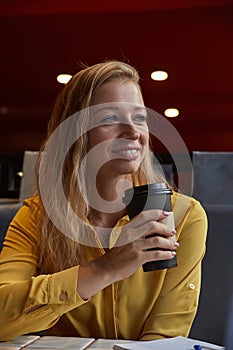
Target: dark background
{"type": "Point", "coordinates": [191, 39]}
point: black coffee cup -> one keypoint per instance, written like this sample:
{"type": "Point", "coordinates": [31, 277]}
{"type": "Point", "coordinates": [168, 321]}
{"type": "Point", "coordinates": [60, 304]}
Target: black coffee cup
{"type": "Point", "coordinates": [152, 196]}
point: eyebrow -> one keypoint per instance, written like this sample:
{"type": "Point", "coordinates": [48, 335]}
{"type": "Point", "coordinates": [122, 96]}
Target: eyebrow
{"type": "Point", "coordinates": [116, 108]}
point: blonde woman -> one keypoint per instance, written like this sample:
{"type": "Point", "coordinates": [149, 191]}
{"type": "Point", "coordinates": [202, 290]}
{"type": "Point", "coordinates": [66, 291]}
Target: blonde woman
{"type": "Point", "coordinates": [72, 260]}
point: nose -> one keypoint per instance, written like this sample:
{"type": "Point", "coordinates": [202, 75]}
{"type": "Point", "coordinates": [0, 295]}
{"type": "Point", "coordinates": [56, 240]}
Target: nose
{"type": "Point", "coordinates": [129, 131]}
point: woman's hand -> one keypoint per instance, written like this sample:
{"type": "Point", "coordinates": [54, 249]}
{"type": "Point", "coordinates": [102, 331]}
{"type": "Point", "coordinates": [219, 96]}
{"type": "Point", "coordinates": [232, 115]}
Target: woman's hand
{"type": "Point", "coordinates": [130, 253]}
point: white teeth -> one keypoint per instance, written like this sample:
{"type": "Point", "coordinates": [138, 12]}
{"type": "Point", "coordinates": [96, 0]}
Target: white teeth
{"type": "Point", "coordinates": [129, 152]}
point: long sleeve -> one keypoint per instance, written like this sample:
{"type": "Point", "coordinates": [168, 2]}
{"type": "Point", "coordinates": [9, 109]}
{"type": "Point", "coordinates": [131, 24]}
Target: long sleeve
{"type": "Point", "coordinates": [144, 306]}
{"type": "Point", "coordinates": [175, 308]}
{"type": "Point", "coordinates": [28, 302]}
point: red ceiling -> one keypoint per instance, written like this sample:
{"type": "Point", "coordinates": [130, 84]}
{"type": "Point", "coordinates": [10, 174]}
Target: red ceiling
{"type": "Point", "coordinates": [45, 7]}
{"type": "Point", "coordinates": [191, 39]}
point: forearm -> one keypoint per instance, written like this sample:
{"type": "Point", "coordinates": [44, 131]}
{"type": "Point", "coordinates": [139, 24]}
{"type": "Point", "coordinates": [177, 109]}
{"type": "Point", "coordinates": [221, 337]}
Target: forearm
{"type": "Point", "coordinates": [92, 278]}
{"type": "Point", "coordinates": [38, 303]}
{"type": "Point", "coordinates": [120, 263]}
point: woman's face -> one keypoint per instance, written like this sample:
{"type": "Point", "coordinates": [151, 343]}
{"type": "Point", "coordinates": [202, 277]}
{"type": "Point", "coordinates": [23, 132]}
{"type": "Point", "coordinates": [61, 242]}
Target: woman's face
{"type": "Point", "coordinates": [118, 137]}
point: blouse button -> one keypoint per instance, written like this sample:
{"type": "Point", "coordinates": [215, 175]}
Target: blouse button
{"type": "Point", "coordinates": [191, 286]}
{"type": "Point", "coordinates": [116, 233]}
{"type": "Point", "coordinates": [63, 296]}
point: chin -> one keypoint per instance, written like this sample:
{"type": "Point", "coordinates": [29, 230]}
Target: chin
{"type": "Point", "coordinates": [129, 168]}
{"type": "Point", "coordinates": [121, 167]}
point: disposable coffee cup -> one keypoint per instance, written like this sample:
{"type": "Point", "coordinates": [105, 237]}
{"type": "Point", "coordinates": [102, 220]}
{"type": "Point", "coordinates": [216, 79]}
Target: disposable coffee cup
{"type": "Point", "coordinates": [146, 197]}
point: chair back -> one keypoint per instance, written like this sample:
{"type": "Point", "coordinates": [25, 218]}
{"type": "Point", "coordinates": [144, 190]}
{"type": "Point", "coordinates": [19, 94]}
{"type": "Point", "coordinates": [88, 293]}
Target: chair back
{"type": "Point", "coordinates": [213, 175]}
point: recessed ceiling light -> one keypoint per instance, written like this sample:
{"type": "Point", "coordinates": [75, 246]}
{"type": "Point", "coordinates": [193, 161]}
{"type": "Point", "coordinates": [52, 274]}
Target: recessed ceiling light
{"type": "Point", "coordinates": [171, 112]}
{"type": "Point", "coordinates": [64, 78]}
{"type": "Point", "coordinates": [159, 75]}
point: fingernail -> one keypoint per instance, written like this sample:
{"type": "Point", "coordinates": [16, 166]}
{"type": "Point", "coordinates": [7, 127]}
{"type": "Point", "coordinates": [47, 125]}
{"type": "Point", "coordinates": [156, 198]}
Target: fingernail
{"type": "Point", "coordinates": [176, 244]}
{"type": "Point", "coordinates": [173, 231]}
{"type": "Point", "coordinates": [173, 253]}
{"type": "Point", "coordinates": [165, 213]}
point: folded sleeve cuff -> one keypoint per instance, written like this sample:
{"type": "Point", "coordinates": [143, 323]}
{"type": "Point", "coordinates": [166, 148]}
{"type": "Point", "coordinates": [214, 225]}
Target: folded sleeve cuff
{"type": "Point", "coordinates": [63, 288]}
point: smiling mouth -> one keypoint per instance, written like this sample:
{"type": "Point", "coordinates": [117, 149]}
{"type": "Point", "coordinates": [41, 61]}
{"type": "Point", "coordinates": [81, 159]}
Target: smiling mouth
{"type": "Point", "coordinates": [130, 154]}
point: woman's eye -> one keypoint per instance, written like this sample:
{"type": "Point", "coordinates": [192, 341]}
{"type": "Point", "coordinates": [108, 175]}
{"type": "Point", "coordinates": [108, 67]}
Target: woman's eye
{"type": "Point", "coordinates": [140, 118]}
{"type": "Point", "coordinates": [110, 119]}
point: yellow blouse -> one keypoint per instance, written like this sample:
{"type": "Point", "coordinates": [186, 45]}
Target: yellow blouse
{"type": "Point", "coordinates": [145, 306]}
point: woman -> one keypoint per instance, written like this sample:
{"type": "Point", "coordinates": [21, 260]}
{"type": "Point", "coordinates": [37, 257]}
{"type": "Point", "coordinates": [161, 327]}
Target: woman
{"type": "Point", "coordinates": [72, 267]}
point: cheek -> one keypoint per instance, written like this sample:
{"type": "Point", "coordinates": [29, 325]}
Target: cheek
{"type": "Point", "coordinates": [145, 139]}
{"type": "Point", "coordinates": [100, 140]}
{"type": "Point", "coordinates": [95, 137]}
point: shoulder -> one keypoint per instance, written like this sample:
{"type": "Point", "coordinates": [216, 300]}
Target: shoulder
{"type": "Point", "coordinates": [22, 231]}
{"type": "Point", "coordinates": [187, 210]}
{"type": "Point", "coordinates": [32, 205]}
{"type": "Point", "coordinates": [33, 202]}
{"type": "Point", "coordinates": [27, 215]}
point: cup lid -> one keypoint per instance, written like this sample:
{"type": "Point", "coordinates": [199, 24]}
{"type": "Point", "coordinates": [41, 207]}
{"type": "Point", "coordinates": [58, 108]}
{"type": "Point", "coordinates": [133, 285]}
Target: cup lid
{"type": "Point", "coordinates": [144, 190]}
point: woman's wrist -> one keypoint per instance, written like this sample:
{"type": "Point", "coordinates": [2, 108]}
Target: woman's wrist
{"type": "Point", "coordinates": [92, 278]}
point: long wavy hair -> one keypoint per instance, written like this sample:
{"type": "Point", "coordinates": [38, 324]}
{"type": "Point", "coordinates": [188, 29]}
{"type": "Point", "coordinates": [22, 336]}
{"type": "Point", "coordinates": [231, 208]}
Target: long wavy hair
{"type": "Point", "coordinates": [56, 250]}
